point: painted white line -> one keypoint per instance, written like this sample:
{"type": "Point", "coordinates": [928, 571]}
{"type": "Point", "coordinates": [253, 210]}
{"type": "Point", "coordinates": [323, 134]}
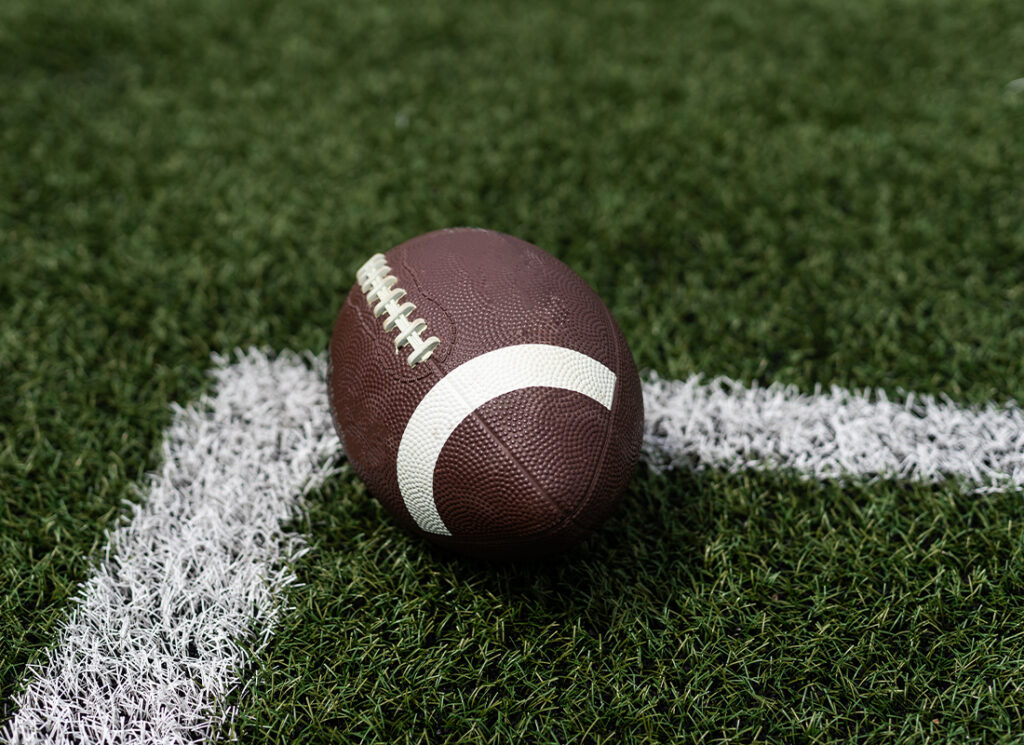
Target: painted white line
{"type": "Point", "coordinates": [161, 632]}
{"type": "Point", "coordinates": [832, 435]}
{"type": "Point", "coordinates": [158, 635]}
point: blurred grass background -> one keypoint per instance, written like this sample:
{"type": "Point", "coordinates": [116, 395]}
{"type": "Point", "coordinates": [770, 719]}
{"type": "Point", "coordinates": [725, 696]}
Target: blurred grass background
{"type": "Point", "coordinates": [802, 191]}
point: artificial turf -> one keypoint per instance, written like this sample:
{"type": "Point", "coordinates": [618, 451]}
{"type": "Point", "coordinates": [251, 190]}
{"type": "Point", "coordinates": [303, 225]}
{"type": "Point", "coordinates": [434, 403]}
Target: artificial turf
{"type": "Point", "coordinates": [807, 192]}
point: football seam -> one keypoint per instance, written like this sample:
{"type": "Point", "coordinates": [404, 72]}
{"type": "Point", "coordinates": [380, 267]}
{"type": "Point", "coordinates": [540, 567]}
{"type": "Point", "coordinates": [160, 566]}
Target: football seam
{"type": "Point", "coordinates": [616, 399]}
{"type": "Point", "coordinates": [565, 516]}
{"type": "Point", "coordinates": [505, 448]}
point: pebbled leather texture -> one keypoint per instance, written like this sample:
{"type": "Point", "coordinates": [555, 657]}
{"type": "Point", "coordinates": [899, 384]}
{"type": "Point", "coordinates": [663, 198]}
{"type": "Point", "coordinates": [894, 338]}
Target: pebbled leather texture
{"type": "Point", "coordinates": [529, 472]}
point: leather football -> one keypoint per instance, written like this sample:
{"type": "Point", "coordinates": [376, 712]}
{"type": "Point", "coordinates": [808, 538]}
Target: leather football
{"type": "Point", "coordinates": [484, 394]}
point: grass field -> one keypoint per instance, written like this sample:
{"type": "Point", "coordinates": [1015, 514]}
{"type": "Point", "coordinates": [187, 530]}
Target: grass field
{"type": "Point", "coordinates": [800, 191]}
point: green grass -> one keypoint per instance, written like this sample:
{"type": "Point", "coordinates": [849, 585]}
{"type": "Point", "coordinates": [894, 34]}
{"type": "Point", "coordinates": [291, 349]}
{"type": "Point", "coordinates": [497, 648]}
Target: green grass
{"type": "Point", "coordinates": [711, 609]}
{"type": "Point", "coordinates": [808, 192]}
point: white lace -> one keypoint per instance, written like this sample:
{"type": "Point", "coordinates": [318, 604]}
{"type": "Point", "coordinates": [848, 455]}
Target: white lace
{"type": "Point", "coordinates": [378, 284]}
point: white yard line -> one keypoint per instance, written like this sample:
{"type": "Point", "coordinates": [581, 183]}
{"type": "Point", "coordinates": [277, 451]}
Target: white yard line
{"type": "Point", "coordinates": [161, 633]}
{"type": "Point", "coordinates": [158, 635]}
{"type": "Point", "coordinates": [837, 434]}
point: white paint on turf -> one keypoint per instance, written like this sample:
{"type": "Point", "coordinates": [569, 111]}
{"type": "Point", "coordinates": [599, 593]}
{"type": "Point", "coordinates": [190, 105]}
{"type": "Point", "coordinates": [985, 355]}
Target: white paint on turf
{"type": "Point", "coordinates": [186, 590]}
{"type": "Point", "coordinates": [834, 434]}
{"type": "Point", "coordinates": [161, 631]}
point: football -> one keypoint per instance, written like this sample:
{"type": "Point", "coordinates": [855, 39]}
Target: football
{"type": "Point", "coordinates": [484, 394]}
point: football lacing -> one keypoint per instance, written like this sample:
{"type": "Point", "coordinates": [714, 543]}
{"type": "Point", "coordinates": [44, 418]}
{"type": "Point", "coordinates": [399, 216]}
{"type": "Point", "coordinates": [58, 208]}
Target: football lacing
{"type": "Point", "coordinates": [378, 284]}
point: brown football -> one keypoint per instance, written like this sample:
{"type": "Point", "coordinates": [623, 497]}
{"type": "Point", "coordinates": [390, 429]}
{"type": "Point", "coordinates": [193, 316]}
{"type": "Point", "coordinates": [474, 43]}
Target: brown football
{"type": "Point", "coordinates": [484, 394]}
